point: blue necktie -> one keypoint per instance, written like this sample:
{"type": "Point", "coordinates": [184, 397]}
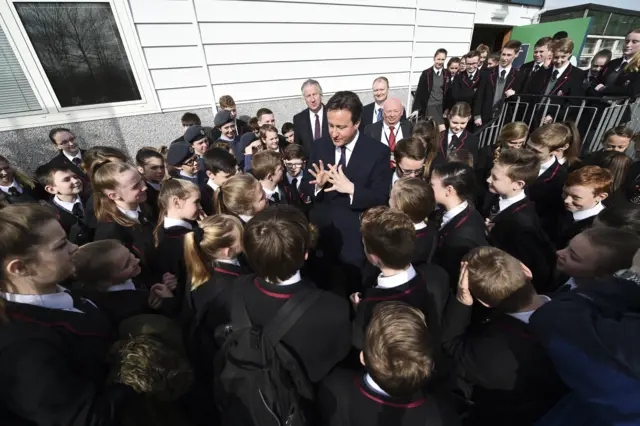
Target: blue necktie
{"type": "Point", "coordinates": [379, 117]}
{"type": "Point", "coordinates": [343, 157]}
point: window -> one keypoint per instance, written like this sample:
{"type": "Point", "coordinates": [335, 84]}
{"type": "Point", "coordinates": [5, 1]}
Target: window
{"type": "Point", "coordinates": [81, 52]}
{"type": "Point", "coordinates": [619, 25]}
{"type": "Point", "coordinates": [15, 91]}
{"type": "Point", "coordinates": [598, 21]}
{"type": "Point", "coordinates": [72, 60]}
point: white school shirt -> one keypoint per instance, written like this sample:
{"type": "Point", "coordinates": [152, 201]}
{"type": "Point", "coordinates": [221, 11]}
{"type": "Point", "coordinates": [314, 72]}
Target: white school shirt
{"type": "Point", "coordinates": [453, 213]}
{"type": "Point", "coordinates": [397, 279]}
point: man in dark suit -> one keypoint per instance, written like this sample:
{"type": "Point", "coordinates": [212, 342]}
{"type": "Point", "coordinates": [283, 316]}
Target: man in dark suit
{"type": "Point", "coordinates": [496, 84]}
{"type": "Point", "coordinates": [390, 130]}
{"type": "Point", "coordinates": [310, 124]}
{"type": "Point", "coordinates": [511, 379]}
{"type": "Point", "coordinates": [563, 79]}
{"type": "Point", "coordinates": [70, 155]}
{"type": "Point", "coordinates": [350, 173]}
{"type": "Point", "coordinates": [372, 113]}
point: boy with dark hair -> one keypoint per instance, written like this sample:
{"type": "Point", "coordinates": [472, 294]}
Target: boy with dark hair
{"type": "Point", "coordinates": [288, 133]}
{"type": "Point", "coordinates": [397, 356]}
{"type": "Point", "coordinates": [70, 155]}
{"type": "Point", "coordinates": [317, 332]}
{"type": "Point", "coordinates": [584, 192]}
{"type": "Point", "coordinates": [295, 161]}
{"type": "Point", "coordinates": [541, 60]}
{"type": "Point", "coordinates": [219, 166]}
{"type": "Point", "coordinates": [410, 157]}
{"type": "Point", "coordinates": [389, 238]}
{"type": "Point", "coordinates": [266, 166]}
{"type": "Point", "coordinates": [187, 120]}
{"type": "Point", "coordinates": [66, 188]}
{"type": "Point", "coordinates": [497, 84]}
{"type": "Point", "coordinates": [465, 85]}
{"type": "Point", "coordinates": [493, 59]}
{"type": "Point", "coordinates": [509, 376]}
{"type": "Point", "coordinates": [512, 221]}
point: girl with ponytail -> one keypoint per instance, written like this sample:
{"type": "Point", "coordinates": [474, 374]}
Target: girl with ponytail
{"type": "Point", "coordinates": [241, 196]}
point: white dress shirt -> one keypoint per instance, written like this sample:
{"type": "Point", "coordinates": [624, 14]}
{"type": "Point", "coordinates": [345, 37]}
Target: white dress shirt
{"type": "Point", "coordinates": [420, 225]}
{"type": "Point", "coordinates": [65, 204]}
{"type": "Point", "coordinates": [156, 186]}
{"type": "Point", "coordinates": [291, 178]}
{"type": "Point", "coordinates": [584, 214]}
{"type": "Point", "coordinates": [505, 203]}
{"type": "Point", "coordinates": [233, 261]}
{"type": "Point", "coordinates": [437, 71]}
{"type": "Point", "coordinates": [14, 184]}
{"type": "Point", "coordinates": [562, 160]}
{"type": "Point", "coordinates": [397, 279]}
{"type": "Point", "coordinates": [169, 222]}
{"type": "Point", "coordinates": [395, 178]}
{"type": "Point", "coordinates": [131, 214]}
{"type": "Point", "coordinates": [376, 108]}
{"type": "Point", "coordinates": [293, 279]}
{"type": "Point", "coordinates": [544, 166]}
{"type": "Point", "coordinates": [312, 118]}
{"type": "Point", "coordinates": [448, 216]}
{"type": "Point", "coordinates": [269, 193]}
{"type": "Point", "coordinates": [60, 300]}
{"type": "Point", "coordinates": [182, 173]}
{"type": "Point", "coordinates": [127, 285]}
{"type": "Point", "coordinates": [560, 70]}
{"type": "Point", "coordinates": [450, 135]}
{"type": "Point", "coordinates": [525, 316]}
{"type": "Point", "coordinates": [70, 157]}
{"type": "Point", "coordinates": [213, 185]}
{"type": "Point", "coordinates": [386, 133]}
{"type": "Point", "coordinates": [374, 386]}
{"type": "Point", "coordinates": [507, 69]}
{"type": "Point", "coordinates": [245, 217]}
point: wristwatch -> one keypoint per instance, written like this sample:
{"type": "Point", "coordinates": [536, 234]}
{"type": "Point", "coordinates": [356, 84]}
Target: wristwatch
{"type": "Point", "coordinates": [629, 275]}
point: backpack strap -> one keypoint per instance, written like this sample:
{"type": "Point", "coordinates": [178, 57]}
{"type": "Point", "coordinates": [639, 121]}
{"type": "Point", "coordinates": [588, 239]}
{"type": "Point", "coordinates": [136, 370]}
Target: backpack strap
{"type": "Point", "coordinates": [289, 314]}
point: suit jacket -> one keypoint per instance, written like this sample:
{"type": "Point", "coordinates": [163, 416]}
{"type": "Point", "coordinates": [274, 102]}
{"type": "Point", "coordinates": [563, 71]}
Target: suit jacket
{"type": "Point", "coordinates": [374, 131]}
{"type": "Point", "coordinates": [483, 102]}
{"type": "Point", "coordinates": [462, 89]}
{"type": "Point", "coordinates": [77, 232]}
{"type": "Point", "coordinates": [367, 116]}
{"type": "Point", "coordinates": [527, 75]}
{"type": "Point", "coordinates": [468, 141]}
{"type": "Point", "coordinates": [338, 219]}
{"type": "Point", "coordinates": [517, 231]}
{"type": "Point", "coordinates": [625, 84]}
{"type": "Point", "coordinates": [464, 232]}
{"type": "Point", "coordinates": [546, 193]}
{"type": "Point", "coordinates": [423, 91]}
{"type": "Point", "coordinates": [514, 381]}
{"type": "Point", "coordinates": [303, 130]}
{"type": "Point", "coordinates": [569, 228]}
{"type": "Point", "coordinates": [569, 83]}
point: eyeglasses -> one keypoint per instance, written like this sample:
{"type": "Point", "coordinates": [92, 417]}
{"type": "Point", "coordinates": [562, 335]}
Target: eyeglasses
{"type": "Point", "coordinates": [66, 142]}
{"type": "Point", "coordinates": [191, 161]}
{"type": "Point", "coordinates": [294, 165]}
{"type": "Point", "coordinates": [404, 172]}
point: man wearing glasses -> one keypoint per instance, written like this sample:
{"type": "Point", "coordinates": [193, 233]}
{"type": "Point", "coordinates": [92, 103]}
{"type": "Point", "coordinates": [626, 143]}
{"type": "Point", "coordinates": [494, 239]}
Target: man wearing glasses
{"type": "Point", "coordinates": [410, 157]}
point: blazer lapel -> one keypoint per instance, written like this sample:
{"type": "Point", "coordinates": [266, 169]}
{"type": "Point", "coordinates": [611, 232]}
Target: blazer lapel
{"type": "Point", "coordinates": [562, 79]}
{"type": "Point", "coordinates": [510, 78]}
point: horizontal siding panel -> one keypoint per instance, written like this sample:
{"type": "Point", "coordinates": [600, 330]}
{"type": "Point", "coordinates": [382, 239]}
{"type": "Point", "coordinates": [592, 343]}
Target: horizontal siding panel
{"type": "Point", "coordinates": [246, 53]}
{"type": "Point", "coordinates": [173, 57]}
{"type": "Point", "coordinates": [429, 18]}
{"type": "Point", "coordinates": [388, 3]}
{"type": "Point", "coordinates": [301, 70]}
{"type": "Point", "coordinates": [184, 97]}
{"type": "Point", "coordinates": [468, 6]}
{"type": "Point", "coordinates": [218, 33]}
{"type": "Point", "coordinates": [290, 88]}
{"type": "Point", "coordinates": [179, 77]}
{"type": "Point", "coordinates": [160, 11]}
{"type": "Point", "coordinates": [261, 11]}
{"type": "Point", "coordinates": [444, 35]}
{"type": "Point", "coordinates": [152, 35]}
{"type": "Point", "coordinates": [426, 50]}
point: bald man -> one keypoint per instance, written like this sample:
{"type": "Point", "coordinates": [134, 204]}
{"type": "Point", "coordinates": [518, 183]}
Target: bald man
{"type": "Point", "coordinates": [392, 129]}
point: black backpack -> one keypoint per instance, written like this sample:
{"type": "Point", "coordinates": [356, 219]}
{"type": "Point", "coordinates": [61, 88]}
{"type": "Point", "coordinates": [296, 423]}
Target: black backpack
{"type": "Point", "coordinates": [257, 381]}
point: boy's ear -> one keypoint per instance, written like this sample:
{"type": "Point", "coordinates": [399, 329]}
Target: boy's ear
{"type": "Point", "coordinates": [520, 184]}
{"type": "Point", "coordinates": [209, 174]}
{"type": "Point", "coordinates": [112, 195]}
{"type": "Point", "coordinates": [602, 197]}
{"type": "Point", "coordinates": [362, 358]}
{"type": "Point", "coordinates": [50, 189]}
{"type": "Point", "coordinates": [17, 267]}
{"type": "Point", "coordinates": [140, 170]}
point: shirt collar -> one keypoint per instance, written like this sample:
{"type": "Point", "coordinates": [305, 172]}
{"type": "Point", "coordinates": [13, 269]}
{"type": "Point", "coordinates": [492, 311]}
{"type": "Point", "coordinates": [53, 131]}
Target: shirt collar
{"type": "Point", "coordinates": [446, 218]}
{"type": "Point", "coordinates": [504, 203]}
{"type": "Point", "coordinates": [131, 214]}
{"type": "Point", "coordinates": [437, 71]}
{"type": "Point", "coordinates": [293, 279]}
{"type": "Point", "coordinates": [213, 185]}
{"type": "Point", "coordinates": [374, 386]}
{"type": "Point", "coordinates": [170, 222]}
{"type": "Point", "coordinates": [245, 217]}
{"type": "Point", "coordinates": [349, 147]}
{"type": "Point", "coordinates": [183, 174]}
{"type": "Point", "coordinates": [420, 225]}
{"type": "Point", "coordinates": [233, 261]}
{"type": "Point", "coordinates": [560, 70]}
{"type": "Point", "coordinates": [525, 316]}
{"type": "Point", "coordinates": [270, 192]}
{"type": "Point", "coordinates": [546, 165]}
{"type": "Point", "coordinates": [397, 279]}
{"type": "Point", "coordinates": [14, 184]}
{"type": "Point", "coordinates": [473, 74]}
{"type": "Point", "coordinates": [450, 134]}
{"type": "Point", "coordinates": [395, 178]}
{"type": "Point", "coordinates": [127, 285]}
{"type": "Point", "coordinates": [60, 300]}
{"type": "Point", "coordinates": [156, 186]}
{"type": "Point", "coordinates": [313, 114]}
{"type": "Point", "coordinates": [65, 204]}
{"type": "Point", "coordinates": [396, 126]}
{"type": "Point", "coordinates": [507, 69]}
{"type": "Point", "coordinates": [376, 107]}
{"type": "Point", "coordinates": [585, 214]}
{"type": "Point", "coordinates": [291, 178]}
{"type": "Point", "coordinates": [70, 158]}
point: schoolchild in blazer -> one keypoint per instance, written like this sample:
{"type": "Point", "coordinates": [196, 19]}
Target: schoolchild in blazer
{"type": "Point", "coordinates": [152, 168]}
{"type": "Point", "coordinates": [457, 137]}
{"type": "Point", "coordinates": [16, 187]}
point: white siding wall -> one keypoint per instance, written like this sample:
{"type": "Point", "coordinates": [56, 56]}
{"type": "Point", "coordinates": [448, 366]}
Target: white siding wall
{"type": "Point", "coordinates": [264, 49]}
